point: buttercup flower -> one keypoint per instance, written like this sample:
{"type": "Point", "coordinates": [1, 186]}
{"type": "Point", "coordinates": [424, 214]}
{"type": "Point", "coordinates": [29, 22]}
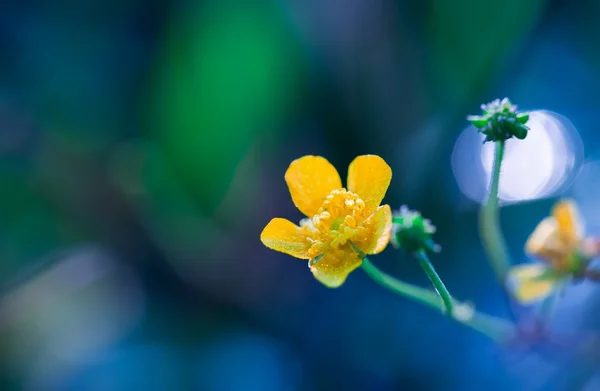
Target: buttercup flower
{"type": "Point", "coordinates": [337, 218]}
{"type": "Point", "coordinates": [560, 242]}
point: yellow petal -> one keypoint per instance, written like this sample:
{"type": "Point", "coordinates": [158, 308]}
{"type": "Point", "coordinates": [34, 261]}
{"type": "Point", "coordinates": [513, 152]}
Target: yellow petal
{"type": "Point", "coordinates": [335, 265]}
{"type": "Point", "coordinates": [378, 231]}
{"type": "Point", "coordinates": [284, 236]}
{"type": "Point", "coordinates": [369, 176]}
{"type": "Point", "coordinates": [568, 219]}
{"type": "Point", "coordinates": [528, 284]}
{"type": "Point", "coordinates": [543, 237]}
{"type": "Point", "coordinates": [310, 179]}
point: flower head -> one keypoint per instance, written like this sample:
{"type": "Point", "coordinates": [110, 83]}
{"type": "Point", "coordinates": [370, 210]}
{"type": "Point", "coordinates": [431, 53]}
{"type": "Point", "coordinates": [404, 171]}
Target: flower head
{"type": "Point", "coordinates": [412, 232]}
{"type": "Point", "coordinates": [500, 121]}
{"type": "Point", "coordinates": [337, 218]}
{"type": "Point", "coordinates": [559, 242]}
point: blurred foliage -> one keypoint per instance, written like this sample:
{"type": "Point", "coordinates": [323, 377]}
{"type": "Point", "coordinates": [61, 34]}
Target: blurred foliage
{"type": "Point", "coordinates": [472, 40]}
{"type": "Point", "coordinates": [228, 74]}
{"type": "Point", "coordinates": [160, 131]}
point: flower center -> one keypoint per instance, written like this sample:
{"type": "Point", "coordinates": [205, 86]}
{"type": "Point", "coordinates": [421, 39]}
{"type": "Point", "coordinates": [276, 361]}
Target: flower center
{"type": "Point", "coordinates": [336, 222]}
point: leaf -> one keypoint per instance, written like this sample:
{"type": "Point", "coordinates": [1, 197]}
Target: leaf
{"type": "Point", "coordinates": [229, 76]}
{"type": "Point", "coordinates": [478, 122]}
{"type": "Point", "coordinates": [522, 118]}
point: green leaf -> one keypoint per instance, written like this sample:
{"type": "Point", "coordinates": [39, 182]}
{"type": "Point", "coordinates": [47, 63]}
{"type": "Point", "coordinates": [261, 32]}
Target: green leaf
{"type": "Point", "coordinates": [522, 118]}
{"type": "Point", "coordinates": [520, 132]}
{"type": "Point", "coordinates": [478, 122]}
{"type": "Point", "coordinates": [229, 75]}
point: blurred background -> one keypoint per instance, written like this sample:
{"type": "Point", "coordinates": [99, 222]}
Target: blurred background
{"type": "Point", "coordinates": [143, 146]}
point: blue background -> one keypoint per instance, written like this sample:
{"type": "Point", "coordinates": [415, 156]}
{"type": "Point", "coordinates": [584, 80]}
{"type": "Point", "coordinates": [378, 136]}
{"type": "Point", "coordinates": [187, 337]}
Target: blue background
{"type": "Point", "coordinates": [143, 146]}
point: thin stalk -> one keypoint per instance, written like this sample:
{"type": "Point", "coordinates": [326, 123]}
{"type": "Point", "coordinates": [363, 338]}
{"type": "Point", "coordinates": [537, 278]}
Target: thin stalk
{"type": "Point", "coordinates": [495, 328]}
{"type": "Point", "coordinates": [413, 292]}
{"type": "Point", "coordinates": [491, 235]}
{"type": "Point", "coordinates": [435, 279]}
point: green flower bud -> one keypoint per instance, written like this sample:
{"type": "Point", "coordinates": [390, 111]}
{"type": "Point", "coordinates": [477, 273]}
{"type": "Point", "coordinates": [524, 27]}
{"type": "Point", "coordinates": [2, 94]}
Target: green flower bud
{"type": "Point", "coordinates": [411, 232]}
{"type": "Point", "coordinates": [500, 121]}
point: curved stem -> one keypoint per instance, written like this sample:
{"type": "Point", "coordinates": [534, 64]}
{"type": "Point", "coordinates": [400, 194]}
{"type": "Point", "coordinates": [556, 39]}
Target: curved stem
{"type": "Point", "coordinates": [423, 296]}
{"type": "Point", "coordinates": [435, 279]}
{"type": "Point", "coordinates": [494, 328]}
{"type": "Point", "coordinates": [491, 235]}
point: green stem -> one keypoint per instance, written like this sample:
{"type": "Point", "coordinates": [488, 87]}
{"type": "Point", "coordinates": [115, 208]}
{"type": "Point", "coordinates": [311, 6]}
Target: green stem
{"type": "Point", "coordinates": [423, 296]}
{"type": "Point", "coordinates": [435, 279]}
{"type": "Point", "coordinates": [492, 327]}
{"type": "Point", "coordinates": [491, 234]}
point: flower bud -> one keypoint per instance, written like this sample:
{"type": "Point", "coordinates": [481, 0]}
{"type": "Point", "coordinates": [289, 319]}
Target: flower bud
{"type": "Point", "coordinates": [500, 121]}
{"type": "Point", "coordinates": [411, 232]}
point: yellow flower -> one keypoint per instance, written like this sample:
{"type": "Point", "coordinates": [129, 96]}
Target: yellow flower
{"type": "Point", "coordinates": [336, 217]}
{"type": "Point", "coordinates": [559, 241]}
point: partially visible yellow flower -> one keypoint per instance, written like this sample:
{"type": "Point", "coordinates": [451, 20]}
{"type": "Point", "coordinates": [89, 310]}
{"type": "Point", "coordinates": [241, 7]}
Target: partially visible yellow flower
{"type": "Point", "coordinates": [336, 218]}
{"type": "Point", "coordinates": [559, 241]}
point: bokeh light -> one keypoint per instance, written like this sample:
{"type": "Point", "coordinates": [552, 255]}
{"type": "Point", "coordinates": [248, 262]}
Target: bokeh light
{"type": "Point", "coordinates": [83, 303]}
{"type": "Point", "coordinates": [539, 166]}
{"type": "Point", "coordinates": [143, 148]}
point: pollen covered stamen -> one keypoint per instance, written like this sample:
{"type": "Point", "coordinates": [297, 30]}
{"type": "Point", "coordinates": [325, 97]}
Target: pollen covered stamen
{"type": "Point", "coordinates": [337, 221]}
{"type": "Point", "coordinates": [350, 221]}
{"type": "Point", "coordinates": [340, 203]}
